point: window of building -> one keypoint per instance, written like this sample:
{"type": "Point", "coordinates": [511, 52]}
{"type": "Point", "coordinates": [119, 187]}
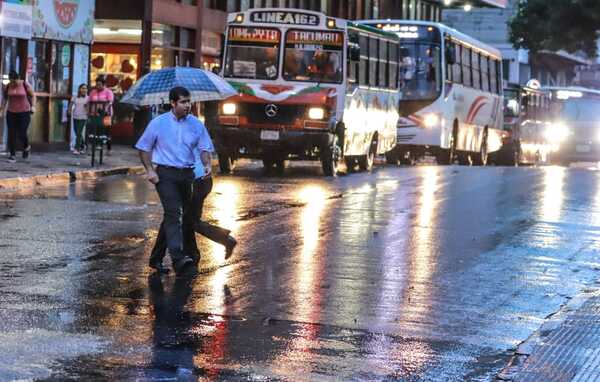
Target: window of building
{"type": "Point", "coordinates": [11, 58]}
{"type": "Point", "coordinates": [40, 70]}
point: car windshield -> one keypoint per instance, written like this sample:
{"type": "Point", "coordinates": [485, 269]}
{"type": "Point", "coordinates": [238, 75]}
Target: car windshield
{"type": "Point", "coordinates": [578, 109]}
{"type": "Point", "coordinates": [252, 53]}
{"type": "Point", "coordinates": [313, 56]}
{"type": "Point", "coordinates": [420, 71]}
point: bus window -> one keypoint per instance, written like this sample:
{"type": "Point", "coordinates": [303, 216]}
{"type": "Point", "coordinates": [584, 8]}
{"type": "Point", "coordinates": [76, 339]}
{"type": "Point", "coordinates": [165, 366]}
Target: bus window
{"type": "Point", "coordinates": [373, 61]}
{"type": "Point", "coordinates": [476, 73]}
{"type": "Point", "coordinates": [420, 71]}
{"type": "Point", "coordinates": [485, 75]}
{"type": "Point", "coordinates": [493, 76]}
{"type": "Point", "coordinates": [456, 67]}
{"type": "Point", "coordinates": [313, 56]}
{"type": "Point", "coordinates": [364, 61]}
{"type": "Point", "coordinates": [382, 83]}
{"type": "Point", "coordinates": [393, 65]}
{"type": "Point", "coordinates": [466, 65]}
{"type": "Point", "coordinates": [252, 53]}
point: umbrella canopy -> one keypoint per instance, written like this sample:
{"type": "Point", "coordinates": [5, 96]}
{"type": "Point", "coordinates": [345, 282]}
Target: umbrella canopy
{"type": "Point", "coordinates": [154, 87]}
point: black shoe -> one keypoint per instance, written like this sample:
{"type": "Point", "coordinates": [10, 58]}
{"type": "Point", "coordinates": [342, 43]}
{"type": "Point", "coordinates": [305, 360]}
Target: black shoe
{"type": "Point", "coordinates": [159, 267]}
{"type": "Point", "coordinates": [230, 244]}
{"type": "Point", "coordinates": [182, 264]}
{"type": "Point", "coordinates": [26, 152]}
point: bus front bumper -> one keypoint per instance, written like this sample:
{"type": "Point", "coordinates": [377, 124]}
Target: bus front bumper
{"type": "Point", "coordinates": [239, 142]}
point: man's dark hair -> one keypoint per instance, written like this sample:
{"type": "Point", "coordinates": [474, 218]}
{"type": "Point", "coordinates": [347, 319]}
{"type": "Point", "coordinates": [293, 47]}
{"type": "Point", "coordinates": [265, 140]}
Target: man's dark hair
{"type": "Point", "coordinates": [178, 92]}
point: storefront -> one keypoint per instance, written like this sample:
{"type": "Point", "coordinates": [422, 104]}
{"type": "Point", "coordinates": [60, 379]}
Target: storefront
{"type": "Point", "coordinates": [57, 62]}
{"type": "Point", "coordinates": [15, 29]}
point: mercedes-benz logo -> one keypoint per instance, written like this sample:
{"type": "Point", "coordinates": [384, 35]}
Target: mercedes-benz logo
{"type": "Point", "coordinates": [271, 110]}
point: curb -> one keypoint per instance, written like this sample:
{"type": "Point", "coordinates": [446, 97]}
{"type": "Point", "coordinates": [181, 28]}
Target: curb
{"type": "Point", "coordinates": [17, 183]}
{"type": "Point", "coordinates": [552, 322]}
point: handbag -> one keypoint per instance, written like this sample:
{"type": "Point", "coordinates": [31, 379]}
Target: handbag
{"type": "Point", "coordinates": [107, 121]}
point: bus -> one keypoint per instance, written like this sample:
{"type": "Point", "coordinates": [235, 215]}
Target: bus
{"type": "Point", "coordinates": [310, 87]}
{"type": "Point", "coordinates": [526, 118]}
{"type": "Point", "coordinates": [450, 94]}
{"type": "Point", "coordinates": [575, 128]}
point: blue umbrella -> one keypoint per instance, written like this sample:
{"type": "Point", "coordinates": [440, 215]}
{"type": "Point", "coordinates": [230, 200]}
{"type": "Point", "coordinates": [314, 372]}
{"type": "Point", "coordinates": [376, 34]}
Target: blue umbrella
{"type": "Point", "coordinates": [154, 87]}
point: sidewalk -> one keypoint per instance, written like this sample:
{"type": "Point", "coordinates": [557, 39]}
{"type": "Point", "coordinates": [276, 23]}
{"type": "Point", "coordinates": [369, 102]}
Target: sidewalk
{"type": "Point", "coordinates": [565, 348]}
{"type": "Point", "coordinates": [47, 168]}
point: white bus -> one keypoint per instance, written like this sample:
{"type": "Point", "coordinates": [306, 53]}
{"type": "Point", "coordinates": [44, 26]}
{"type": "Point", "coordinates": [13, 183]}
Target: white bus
{"type": "Point", "coordinates": [310, 87]}
{"type": "Point", "coordinates": [450, 94]}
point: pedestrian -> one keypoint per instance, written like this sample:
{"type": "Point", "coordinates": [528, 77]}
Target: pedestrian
{"type": "Point", "coordinates": [18, 102]}
{"type": "Point", "coordinates": [100, 110]}
{"type": "Point", "coordinates": [79, 111]}
{"type": "Point", "coordinates": [167, 150]}
{"type": "Point", "coordinates": [202, 186]}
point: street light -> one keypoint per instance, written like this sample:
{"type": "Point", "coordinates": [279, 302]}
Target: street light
{"type": "Point", "coordinates": [468, 7]}
{"type": "Point", "coordinates": [447, 3]}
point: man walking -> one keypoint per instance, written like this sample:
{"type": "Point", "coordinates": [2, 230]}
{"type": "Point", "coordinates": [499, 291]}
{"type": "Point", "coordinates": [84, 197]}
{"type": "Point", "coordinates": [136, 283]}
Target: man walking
{"type": "Point", "coordinates": [169, 143]}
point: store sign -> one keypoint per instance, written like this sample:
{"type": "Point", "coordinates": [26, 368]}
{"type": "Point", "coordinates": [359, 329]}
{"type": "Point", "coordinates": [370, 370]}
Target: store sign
{"type": "Point", "coordinates": [64, 20]}
{"type": "Point", "coordinates": [15, 20]}
{"type": "Point", "coordinates": [275, 17]}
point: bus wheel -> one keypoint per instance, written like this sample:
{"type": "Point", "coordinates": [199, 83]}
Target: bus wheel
{"type": "Point", "coordinates": [225, 163]}
{"type": "Point", "coordinates": [391, 157]}
{"type": "Point", "coordinates": [350, 163]}
{"type": "Point", "coordinates": [481, 158]}
{"type": "Point", "coordinates": [365, 162]}
{"type": "Point", "coordinates": [330, 157]}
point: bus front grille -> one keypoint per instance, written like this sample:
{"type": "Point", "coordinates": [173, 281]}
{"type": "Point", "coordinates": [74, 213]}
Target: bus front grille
{"type": "Point", "coordinates": [284, 114]}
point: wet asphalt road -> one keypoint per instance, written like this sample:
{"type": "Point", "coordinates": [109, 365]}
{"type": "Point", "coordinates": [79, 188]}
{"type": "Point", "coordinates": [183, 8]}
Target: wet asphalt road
{"type": "Point", "coordinates": [427, 273]}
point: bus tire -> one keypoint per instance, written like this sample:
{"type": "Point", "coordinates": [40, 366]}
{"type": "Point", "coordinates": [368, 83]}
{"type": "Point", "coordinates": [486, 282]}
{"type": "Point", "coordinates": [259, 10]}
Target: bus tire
{"type": "Point", "coordinates": [481, 158]}
{"type": "Point", "coordinates": [391, 157]}
{"type": "Point", "coordinates": [225, 163]}
{"type": "Point", "coordinates": [365, 162]}
{"type": "Point", "coordinates": [350, 162]}
{"type": "Point", "coordinates": [330, 157]}
{"type": "Point", "coordinates": [448, 156]}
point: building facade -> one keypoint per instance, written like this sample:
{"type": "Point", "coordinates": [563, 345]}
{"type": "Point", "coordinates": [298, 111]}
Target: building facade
{"type": "Point", "coordinates": [491, 26]}
{"type": "Point", "coordinates": [48, 44]}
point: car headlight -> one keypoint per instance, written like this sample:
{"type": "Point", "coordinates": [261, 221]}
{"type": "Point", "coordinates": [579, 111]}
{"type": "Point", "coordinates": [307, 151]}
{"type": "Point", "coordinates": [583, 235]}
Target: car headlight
{"type": "Point", "coordinates": [431, 120]}
{"type": "Point", "coordinates": [557, 132]}
{"type": "Point", "coordinates": [316, 113]}
{"type": "Point", "coordinates": [229, 108]}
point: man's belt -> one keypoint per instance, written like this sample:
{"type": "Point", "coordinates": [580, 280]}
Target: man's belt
{"type": "Point", "coordinates": [174, 168]}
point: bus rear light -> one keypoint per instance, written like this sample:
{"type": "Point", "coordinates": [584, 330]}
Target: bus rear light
{"type": "Point", "coordinates": [229, 120]}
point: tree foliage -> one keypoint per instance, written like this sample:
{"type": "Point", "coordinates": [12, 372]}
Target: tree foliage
{"type": "Point", "coordinates": [571, 25]}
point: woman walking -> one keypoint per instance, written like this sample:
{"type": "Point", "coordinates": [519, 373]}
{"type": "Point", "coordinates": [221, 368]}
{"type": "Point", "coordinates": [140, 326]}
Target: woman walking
{"type": "Point", "coordinates": [20, 98]}
{"type": "Point", "coordinates": [79, 110]}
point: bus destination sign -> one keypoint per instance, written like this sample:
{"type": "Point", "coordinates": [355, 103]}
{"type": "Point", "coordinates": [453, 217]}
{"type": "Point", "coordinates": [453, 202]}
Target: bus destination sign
{"type": "Point", "coordinates": [253, 34]}
{"type": "Point", "coordinates": [300, 39]}
{"type": "Point", "coordinates": [281, 17]}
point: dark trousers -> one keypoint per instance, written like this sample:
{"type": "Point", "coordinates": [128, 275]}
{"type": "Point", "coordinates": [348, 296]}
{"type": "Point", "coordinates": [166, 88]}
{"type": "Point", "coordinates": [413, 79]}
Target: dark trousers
{"type": "Point", "coordinates": [17, 124]}
{"type": "Point", "coordinates": [174, 189]}
{"type": "Point", "coordinates": [201, 188]}
{"type": "Point", "coordinates": [79, 125]}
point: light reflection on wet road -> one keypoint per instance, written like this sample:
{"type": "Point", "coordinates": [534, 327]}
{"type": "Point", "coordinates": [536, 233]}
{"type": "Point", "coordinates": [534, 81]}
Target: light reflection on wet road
{"type": "Point", "coordinates": [409, 274]}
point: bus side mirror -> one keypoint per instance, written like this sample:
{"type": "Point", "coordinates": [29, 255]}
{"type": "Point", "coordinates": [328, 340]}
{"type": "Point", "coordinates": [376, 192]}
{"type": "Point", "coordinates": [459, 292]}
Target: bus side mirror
{"type": "Point", "coordinates": [450, 54]}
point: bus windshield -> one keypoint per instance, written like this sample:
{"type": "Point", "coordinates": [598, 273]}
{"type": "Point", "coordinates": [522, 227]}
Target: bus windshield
{"type": "Point", "coordinates": [420, 71]}
{"type": "Point", "coordinates": [252, 53]}
{"type": "Point", "coordinates": [578, 110]}
{"type": "Point", "coordinates": [313, 56]}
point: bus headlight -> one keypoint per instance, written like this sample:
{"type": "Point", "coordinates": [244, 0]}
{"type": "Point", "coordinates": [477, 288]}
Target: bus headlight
{"type": "Point", "coordinates": [556, 132]}
{"type": "Point", "coordinates": [229, 108]}
{"type": "Point", "coordinates": [316, 113]}
{"type": "Point", "coordinates": [431, 120]}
